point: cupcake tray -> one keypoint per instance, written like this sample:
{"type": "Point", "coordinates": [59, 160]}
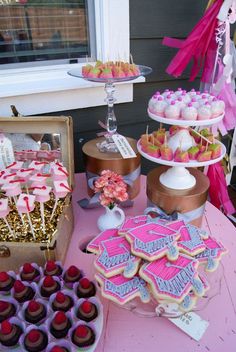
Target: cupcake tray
{"type": "Point", "coordinates": [96, 324]}
{"type": "Point", "coordinates": [191, 163]}
{"type": "Point", "coordinates": [186, 123]}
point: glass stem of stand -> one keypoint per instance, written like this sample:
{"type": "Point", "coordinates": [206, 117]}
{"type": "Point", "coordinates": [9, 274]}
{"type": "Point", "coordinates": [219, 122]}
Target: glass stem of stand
{"type": "Point", "coordinates": [111, 122]}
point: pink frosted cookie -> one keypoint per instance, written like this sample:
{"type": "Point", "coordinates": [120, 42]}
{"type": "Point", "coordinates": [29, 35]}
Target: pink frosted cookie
{"type": "Point", "coordinates": [211, 256]}
{"type": "Point", "coordinates": [132, 222]}
{"type": "Point", "coordinates": [93, 245]}
{"type": "Point", "coordinates": [152, 241]}
{"type": "Point", "coordinates": [190, 241]}
{"type": "Point", "coordinates": [122, 290]}
{"type": "Point", "coordinates": [190, 300]}
{"type": "Point", "coordinates": [173, 280]}
{"type": "Point", "coordinates": [115, 258]}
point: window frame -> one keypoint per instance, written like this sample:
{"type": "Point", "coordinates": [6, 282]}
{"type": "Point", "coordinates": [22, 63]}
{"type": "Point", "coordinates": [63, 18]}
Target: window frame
{"type": "Point", "coordinates": [45, 89]}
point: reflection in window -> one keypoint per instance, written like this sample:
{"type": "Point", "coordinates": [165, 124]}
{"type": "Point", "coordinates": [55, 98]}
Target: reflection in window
{"type": "Point", "coordinates": [39, 30]}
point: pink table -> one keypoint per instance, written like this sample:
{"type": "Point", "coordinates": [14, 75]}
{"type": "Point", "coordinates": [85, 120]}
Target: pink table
{"type": "Point", "coordinates": [126, 332]}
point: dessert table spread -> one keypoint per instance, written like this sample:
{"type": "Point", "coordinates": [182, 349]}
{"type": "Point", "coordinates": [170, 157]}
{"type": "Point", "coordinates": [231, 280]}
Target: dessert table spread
{"type": "Point", "coordinates": [125, 331]}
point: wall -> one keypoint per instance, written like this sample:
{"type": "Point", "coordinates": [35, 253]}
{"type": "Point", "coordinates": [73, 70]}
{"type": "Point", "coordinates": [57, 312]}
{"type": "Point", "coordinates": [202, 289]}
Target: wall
{"type": "Point", "coordinates": [150, 21]}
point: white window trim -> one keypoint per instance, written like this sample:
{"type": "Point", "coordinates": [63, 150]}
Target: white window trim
{"type": "Point", "coordinates": [45, 89]}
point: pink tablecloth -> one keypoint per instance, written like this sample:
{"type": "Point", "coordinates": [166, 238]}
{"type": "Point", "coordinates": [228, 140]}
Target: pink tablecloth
{"type": "Point", "coordinates": [126, 332]}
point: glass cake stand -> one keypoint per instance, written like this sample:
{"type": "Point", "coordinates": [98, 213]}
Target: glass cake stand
{"type": "Point", "coordinates": [111, 122]}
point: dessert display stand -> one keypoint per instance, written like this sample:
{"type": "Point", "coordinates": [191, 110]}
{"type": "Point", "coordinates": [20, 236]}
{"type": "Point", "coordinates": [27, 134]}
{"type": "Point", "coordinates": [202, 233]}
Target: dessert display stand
{"type": "Point", "coordinates": [111, 122]}
{"type": "Point", "coordinates": [178, 177]}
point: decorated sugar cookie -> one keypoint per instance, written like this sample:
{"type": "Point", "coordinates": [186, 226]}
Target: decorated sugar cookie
{"type": "Point", "coordinates": [132, 222]}
{"type": "Point", "coordinates": [93, 245]}
{"type": "Point", "coordinates": [115, 258]}
{"type": "Point", "coordinates": [211, 256]}
{"type": "Point", "coordinates": [152, 241]}
{"type": "Point", "coordinates": [173, 280]}
{"type": "Point", "coordinates": [190, 241]}
{"type": "Point", "coordinates": [122, 290]}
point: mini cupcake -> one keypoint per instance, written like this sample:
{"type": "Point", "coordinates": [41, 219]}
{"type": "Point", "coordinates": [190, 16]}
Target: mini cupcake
{"type": "Point", "coordinates": [86, 311]}
{"type": "Point", "coordinates": [22, 293]}
{"type": "Point", "coordinates": [35, 312]}
{"type": "Point", "coordinates": [29, 273]}
{"type": "Point", "coordinates": [52, 269]}
{"type": "Point", "coordinates": [85, 288]}
{"type": "Point", "coordinates": [35, 340]}
{"type": "Point", "coordinates": [49, 286]}
{"type": "Point", "coordinates": [62, 302]}
{"type": "Point", "coordinates": [10, 333]}
{"type": "Point", "coordinates": [60, 325]}
{"type": "Point", "coordinates": [83, 336]}
{"type": "Point", "coordinates": [6, 282]}
{"type": "Point", "coordinates": [7, 309]}
{"type": "Point", "coordinates": [172, 111]}
{"type": "Point", "coordinates": [60, 346]}
{"type": "Point", "coordinates": [72, 275]}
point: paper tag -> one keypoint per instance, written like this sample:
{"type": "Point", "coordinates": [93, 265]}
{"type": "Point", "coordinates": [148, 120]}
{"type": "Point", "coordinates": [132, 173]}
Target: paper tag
{"type": "Point", "coordinates": [123, 146]}
{"type": "Point", "coordinates": [192, 324]}
{"type": "Point", "coordinates": [6, 152]}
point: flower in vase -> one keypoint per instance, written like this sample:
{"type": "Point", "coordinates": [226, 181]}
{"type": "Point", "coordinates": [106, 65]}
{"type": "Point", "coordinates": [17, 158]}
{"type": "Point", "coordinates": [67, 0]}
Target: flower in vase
{"type": "Point", "coordinates": [111, 187]}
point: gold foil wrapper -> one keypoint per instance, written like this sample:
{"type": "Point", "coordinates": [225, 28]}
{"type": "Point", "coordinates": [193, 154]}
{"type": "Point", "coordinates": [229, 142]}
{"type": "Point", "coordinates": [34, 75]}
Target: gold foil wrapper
{"type": "Point", "coordinates": [96, 162]}
{"type": "Point", "coordinates": [23, 232]}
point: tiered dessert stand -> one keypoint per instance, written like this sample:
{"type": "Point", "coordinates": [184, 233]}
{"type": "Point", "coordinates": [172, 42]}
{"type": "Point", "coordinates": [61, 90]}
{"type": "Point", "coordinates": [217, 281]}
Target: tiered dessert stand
{"type": "Point", "coordinates": [178, 177]}
{"type": "Point", "coordinates": [111, 122]}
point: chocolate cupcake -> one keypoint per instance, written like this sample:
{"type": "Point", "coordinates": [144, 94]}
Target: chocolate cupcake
{"type": "Point", "coordinates": [85, 288]}
{"type": "Point", "coordinates": [6, 282]}
{"type": "Point", "coordinates": [35, 340]}
{"type": "Point", "coordinates": [7, 310]}
{"type": "Point", "coordinates": [35, 312]}
{"type": "Point", "coordinates": [10, 334]}
{"type": "Point", "coordinates": [60, 325]}
{"type": "Point", "coordinates": [23, 293]}
{"type": "Point", "coordinates": [72, 275]}
{"type": "Point", "coordinates": [29, 273]}
{"type": "Point", "coordinates": [59, 349]}
{"type": "Point", "coordinates": [87, 311]}
{"type": "Point", "coordinates": [83, 336]}
{"type": "Point", "coordinates": [62, 302]}
{"type": "Point", "coordinates": [49, 286]}
{"type": "Point", "coordinates": [52, 269]}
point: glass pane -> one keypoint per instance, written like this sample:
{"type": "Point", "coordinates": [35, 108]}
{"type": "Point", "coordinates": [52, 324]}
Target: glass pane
{"type": "Point", "coordinates": [38, 30]}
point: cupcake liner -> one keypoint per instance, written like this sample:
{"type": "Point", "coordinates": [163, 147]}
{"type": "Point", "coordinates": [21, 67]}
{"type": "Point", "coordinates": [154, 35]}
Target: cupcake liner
{"type": "Point", "coordinates": [79, 302]}
{"type": "Point", "coordinates": [38, 278]}
{"type": "Point", "coordinates": [27, 330]}
{"type": "Point", "coordinates": [71, 285]}
{"type": "Point", "coordinates": [49, 320]}
{"type": "Point", "coordinates": [34, 287]}
{"type": "Point", "coordinates": [58, 263]}
{"type": "Point", "coordinates": [89, 348]}
{"type": "Point", "coordinates": [13, 301]}
{"type": "Point", "coordinates": [8, 293]}
{"type": "Point", "coordinates": [41, 282]}
{"type": "Point", "coordinates": [18, 322]}
{"type": "Point", "coordinates": [21, 313]}
{"type": "Point", "coordinates": [66, 292]}
{"type": "Point", "coordinates": [61, 343]}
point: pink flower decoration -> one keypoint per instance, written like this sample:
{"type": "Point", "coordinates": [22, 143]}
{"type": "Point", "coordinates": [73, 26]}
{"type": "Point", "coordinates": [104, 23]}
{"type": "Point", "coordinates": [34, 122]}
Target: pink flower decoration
{"type": "Point", "coordinates": [111, 187]}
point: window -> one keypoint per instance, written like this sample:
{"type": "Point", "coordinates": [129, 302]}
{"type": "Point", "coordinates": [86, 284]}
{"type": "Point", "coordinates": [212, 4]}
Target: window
{"type": "Point", "coordinates": [38, 32]}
